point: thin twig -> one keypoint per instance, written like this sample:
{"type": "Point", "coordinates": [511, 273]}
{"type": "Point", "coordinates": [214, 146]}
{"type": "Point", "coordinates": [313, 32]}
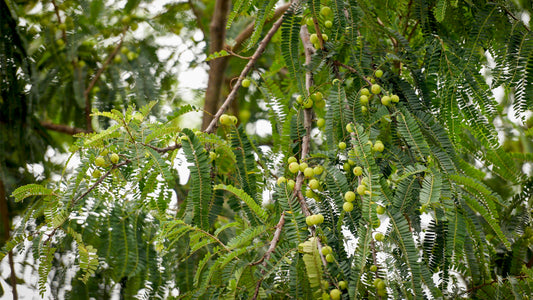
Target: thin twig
{"type": "Point", "coordinates": [115, 166]}
{"type": "Point", "coordinates": [353, 70]}
{"type": "Point", "coordinates": [95, 79]}
{"type": "Point", "coordinates": [56, 9]}
{"type": "Point", "coordinates": [247, 32]}
{"type": "Point", "coordinates": [62, 128]}
{"type": "Point", "coordinates": [233, 94]}
{"type": "Point", "coordinates": [163, 150]}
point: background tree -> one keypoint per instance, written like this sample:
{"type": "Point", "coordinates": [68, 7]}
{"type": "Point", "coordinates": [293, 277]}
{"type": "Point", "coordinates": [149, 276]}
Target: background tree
{"type": "Point", "coordinates": [392, 170]}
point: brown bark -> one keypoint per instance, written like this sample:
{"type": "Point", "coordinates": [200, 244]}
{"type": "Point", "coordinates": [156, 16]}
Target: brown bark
{"type": "Point", "coordinates": [62, 128]}
{"type": "Point", "coordinates": [217, 36]}
{"type": "Point", "coordinates": [4, 213]}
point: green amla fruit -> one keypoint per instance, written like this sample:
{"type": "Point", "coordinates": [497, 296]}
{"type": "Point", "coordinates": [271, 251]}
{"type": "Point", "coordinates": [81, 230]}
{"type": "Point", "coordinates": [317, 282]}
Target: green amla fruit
{"type": "Point", "coordinates": [114, 158]}
{"type": "Point", "coordinates": [99, 161]}
{"type": "Point", "coordinates": [375, 89]}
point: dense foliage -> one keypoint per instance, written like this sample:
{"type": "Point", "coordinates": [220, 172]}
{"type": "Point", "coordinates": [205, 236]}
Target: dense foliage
{"type": "Point", "coordinates": [391, 170]}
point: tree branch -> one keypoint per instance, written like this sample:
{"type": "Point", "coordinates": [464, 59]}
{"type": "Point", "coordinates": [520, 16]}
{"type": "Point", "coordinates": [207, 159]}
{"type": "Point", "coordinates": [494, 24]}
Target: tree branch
{"type": "Point", "coordinates": [217, 36]}
{"type": "Point", "coordinates": [233, 94]}
{"type": "Point", "coordinates": [62, 128]}
{"type": "Point", "coordinates": [4, 213]}
{"type": "Point", "coordinates": [247, 32]}
{"type": "Point", "coordinates": [95, 79]}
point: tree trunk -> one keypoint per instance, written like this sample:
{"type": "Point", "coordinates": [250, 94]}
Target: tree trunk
{"type": "Point", "coordinates": [217, 67]}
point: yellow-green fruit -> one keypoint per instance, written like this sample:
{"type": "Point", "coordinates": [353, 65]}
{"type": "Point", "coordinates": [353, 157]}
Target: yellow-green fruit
{"type": "Point", "coordinates": [99, 161]}
{"type": "Point", "coordinates": [382, 292]}
{"type": "Point", "coordinates": [309, 22]}
{"type": "Point", "coordinates": [330, 258]}
{"type": "Point", "coordinates": [385, 100]}
{"type": "Point", "coordinates": [325, 37]}
{"type": "Point", "coordinates": [361, 189]}
{"type": "Point", "coordinates": [281, 180]}
{"type": "Point", "coordinates": [326, 250]}
{"type": "Point", "coordinates": [346, 167]}
{"type": "Point", "coordinates": [60, 43]}
{"type": "Point", "coordinates": [379, 237]}
{"type": "Point", "coordinates": [97, 173]}
{"type": "Point", "coordinates": [378, 146]}
{"type": "Point", "coordinates": [363, 99]}
{"type": "Point", "coordinates": [309, 193]}
{"type": "Point", "coordinates": [314, 184]}
{"type": "Point", "coordinates": [325, 296]}
{"type": "Point", "coordinates": [375, 89]}
{"type": "Point", "coordinates": [380, 285]}
{"type": "Point", "coordinates": [114, 158]}
{"type": "Point", "coordinates": [104, 152]}
{"type": "Point", "coordinates": [117, 59]}
{"type": "Point", "coordinates": [365, 92]}
{"type": "Point", "coordinates": [225, 120]}
{"type": "Point", "coordinates": [380, 210]}
{"type": "Point", "coordinates": [126, 20]}
{"type": "Point", "coordinates": [234, 120]}
{"type": "Point", "coordinates": [358, 171]}
{"type": "Point", "coordinates": [320, 104]}
{"type": "Point", "coordinates": [308, 103]}
{"type": "Point", "coordinates": [82, 64]}
{"type": "Point", "coordinates": [124, 50]}
{"type": "Point", "coordinates": [320, 122]}
{"type": "Point", "coordinates": [299, 99]}
{"type": "Point", "coordinates": [244, 115]}
{"type": "Point", "coordinates": [303, 166]}
{"type": "Point", "coordinates": [318, 170]}
{"type": "Point", "coordinates": [245, 83]}
{"type": "Point", "coordinates": [351, 162]}
{"type": "Point", "coordinates": [349, 128]}
{"type": "Point", "coordinates": [347, 206]}
{"type": "Point", "coordinates": [313, 38]}
{"type": "Point", "coordinates": [364, 109]}
{"type": "Point", "coordinates": [318, 219]}
{"type": "Point", "coordinates": [326, 11]}
{"type": "Point", "coordinates": [328, 24]}
{"type": "Point", "coordinates": [349, 196]}
{"type": "Point", "coordinates": [131, 56]}
{"type": "Point", "coordinates": [308, 172]}
{"type": "Point", "coordinates": [292, 159]}
{"type": "Point", "coordinates": [318, 96]}
{"type": "Point", "coordinates": [290, 184]}
{"type": "Point", "coordinates": [343, 285]}
{"type": "Point", "coordinates": [373, 268]}
{"type": "Point", "coordinates": [335, 294]}
{"type": "Point", "coordinates": [309, 220]}
{"type": "Point", "coordinates": [378, 73]}
{"type": "Point", "coordinates": [294, 167]}
{"type": "Point", "coordinates": [342, 145]}
{"type": "Point", "coordinates": [376, 223]}
{"type": "Point", "coordinates": [395, 98]}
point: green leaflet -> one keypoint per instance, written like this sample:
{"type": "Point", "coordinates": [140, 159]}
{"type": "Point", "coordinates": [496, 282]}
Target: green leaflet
{"type": "Point", "coordinates": [200, 195]}
{"type": "Point", "coordinates": [31, 190]}
{"type": "Point", "coordinates": [243, 196]}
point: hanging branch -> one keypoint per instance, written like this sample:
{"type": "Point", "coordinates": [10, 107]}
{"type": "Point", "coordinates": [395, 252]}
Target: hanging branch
{"type": "Point", "coordinates": [95, 79]}
{"type": "Point", "coordinates": [233, 94]}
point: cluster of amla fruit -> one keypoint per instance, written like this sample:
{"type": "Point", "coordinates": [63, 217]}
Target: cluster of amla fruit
{"type": "Point", "coordinates": [101, 161]}
{"type": "Point", "coordinates": [375, 90]}
{"type": "Point", "coordinates": [325, 17]}
{"type": "Point", "coordinates": [316, 99]}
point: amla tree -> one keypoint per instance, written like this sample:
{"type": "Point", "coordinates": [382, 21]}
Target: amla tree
{"type": "Point", "coordinates": [383, 174]}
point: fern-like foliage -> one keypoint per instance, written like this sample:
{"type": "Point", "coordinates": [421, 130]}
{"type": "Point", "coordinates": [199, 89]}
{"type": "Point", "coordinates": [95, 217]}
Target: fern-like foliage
{"type": "Point", "coordinates": [405, 178]}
